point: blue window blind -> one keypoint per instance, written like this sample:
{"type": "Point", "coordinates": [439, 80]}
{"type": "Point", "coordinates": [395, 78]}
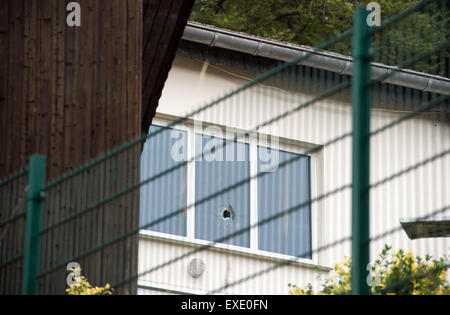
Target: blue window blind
{"type": "Point", "coordinates": [166, 194]}
{"type": "Point", "coordinates": [230, 211]}
{"type": "Point", "coordinates": [281, 190]}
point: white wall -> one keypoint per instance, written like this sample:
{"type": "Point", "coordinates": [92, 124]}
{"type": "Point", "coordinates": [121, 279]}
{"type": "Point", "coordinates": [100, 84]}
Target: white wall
{"type": "Point", "coordinates": [192, 84]}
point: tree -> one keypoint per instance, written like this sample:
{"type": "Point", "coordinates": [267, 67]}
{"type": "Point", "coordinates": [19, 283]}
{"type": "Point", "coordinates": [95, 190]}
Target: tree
{"type": "Point", "coordinates": [306, 22]}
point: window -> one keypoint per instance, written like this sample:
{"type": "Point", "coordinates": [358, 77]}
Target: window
{"type": "Point", "coordinates": [167, 194]}
{"type": "Point", "coordinates": [222, 185]}
{"type": "Point", "coordinates": [228, 212]}
{"type": "Point", "coordinates": [287, 188]}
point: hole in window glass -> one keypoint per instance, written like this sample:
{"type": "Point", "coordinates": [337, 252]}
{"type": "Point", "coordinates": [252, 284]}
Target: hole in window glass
{"type": "Point", "coordinates": [286, 188]}
{"type": "Point", "coordinates": [213, 174]}
{"type": "Point", "coordinates": [227, 213]}
{"type": "Point", "coordinates": [166, 194]}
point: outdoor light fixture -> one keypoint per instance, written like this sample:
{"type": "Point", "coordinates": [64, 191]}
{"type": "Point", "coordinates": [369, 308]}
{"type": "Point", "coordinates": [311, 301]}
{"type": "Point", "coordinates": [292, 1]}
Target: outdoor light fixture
{"type": "Point", "coordinates": [196, 267]}
{"type": "Point", "coordinates": [422, 228]}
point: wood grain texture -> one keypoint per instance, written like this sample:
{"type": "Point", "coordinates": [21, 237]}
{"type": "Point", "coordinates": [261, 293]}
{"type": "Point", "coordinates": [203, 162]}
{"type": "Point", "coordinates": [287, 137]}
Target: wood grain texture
{"type": "Point", "coordinates": [64, 91]}
{"type": "Point", "coordinates": [164, 23]}
{"type": "Point", "coordinates": [73, 94]}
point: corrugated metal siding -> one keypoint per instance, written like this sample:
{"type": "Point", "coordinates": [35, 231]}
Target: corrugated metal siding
{"type": "Point", "coordinates": [225, 57]}
{"type": "Point", "coordinates": [415, 193]}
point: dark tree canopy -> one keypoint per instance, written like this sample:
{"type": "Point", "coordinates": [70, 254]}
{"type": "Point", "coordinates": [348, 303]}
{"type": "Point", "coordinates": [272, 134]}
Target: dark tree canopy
{"type": "Point", "coordinates": [308, 22]}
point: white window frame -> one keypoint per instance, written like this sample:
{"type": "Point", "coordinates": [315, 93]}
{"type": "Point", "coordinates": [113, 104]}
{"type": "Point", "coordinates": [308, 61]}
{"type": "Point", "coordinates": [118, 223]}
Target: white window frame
{"type": "Point", "coordinates": [252, 140]}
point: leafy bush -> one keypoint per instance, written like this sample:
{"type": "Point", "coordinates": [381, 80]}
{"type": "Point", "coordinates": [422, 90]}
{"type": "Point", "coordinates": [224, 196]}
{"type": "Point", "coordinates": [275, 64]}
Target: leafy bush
{"type": "Point", "coordinates": [85, 288]}
{"type": "Point", "coordinates": [392, 273]}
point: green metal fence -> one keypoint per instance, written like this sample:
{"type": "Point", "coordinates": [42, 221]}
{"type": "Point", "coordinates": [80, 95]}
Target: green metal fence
{"type": "Point", "coordinates": [13, 191]}
{"type": "Point", "coordinates": [64, 216]}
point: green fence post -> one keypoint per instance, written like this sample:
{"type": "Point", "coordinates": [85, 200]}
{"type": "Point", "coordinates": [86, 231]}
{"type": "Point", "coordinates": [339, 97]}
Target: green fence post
{"type": "Point", "coordinates": [35, 197]}
{"type": "Point", "coordinates": [360, 155]}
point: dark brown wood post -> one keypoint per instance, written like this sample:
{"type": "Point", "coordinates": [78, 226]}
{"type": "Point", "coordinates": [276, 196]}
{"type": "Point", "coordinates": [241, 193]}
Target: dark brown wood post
{"type": "Point", "coordinates": [72, 94]}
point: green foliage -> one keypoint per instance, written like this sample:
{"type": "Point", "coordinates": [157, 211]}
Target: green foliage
{"type": "Point", "coordinates": [301, 22]}
{"type": "Point", "coordinates": [397, 273]}
{"type": "Point", "coordinates": [306, 22]}
{"type": "Point", "coordinates": [85, 288]}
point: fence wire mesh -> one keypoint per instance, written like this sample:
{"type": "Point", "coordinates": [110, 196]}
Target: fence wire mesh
{"type": "Point", "coordinates": [12, 226]}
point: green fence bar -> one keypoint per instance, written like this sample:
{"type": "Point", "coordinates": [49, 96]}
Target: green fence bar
{"type": "Point", "coordinates": [361, 146]}
{"type": "Point", "coordinates": [35, 199]}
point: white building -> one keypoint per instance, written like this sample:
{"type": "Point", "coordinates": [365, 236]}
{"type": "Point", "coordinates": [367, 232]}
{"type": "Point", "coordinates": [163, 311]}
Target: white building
{"type": "Point", "coordinates": [303, 244]}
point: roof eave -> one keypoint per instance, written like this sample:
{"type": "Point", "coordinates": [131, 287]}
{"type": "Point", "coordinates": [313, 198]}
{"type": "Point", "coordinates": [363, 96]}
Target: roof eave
{"type": "Point", "coordinates": [234, 41]}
